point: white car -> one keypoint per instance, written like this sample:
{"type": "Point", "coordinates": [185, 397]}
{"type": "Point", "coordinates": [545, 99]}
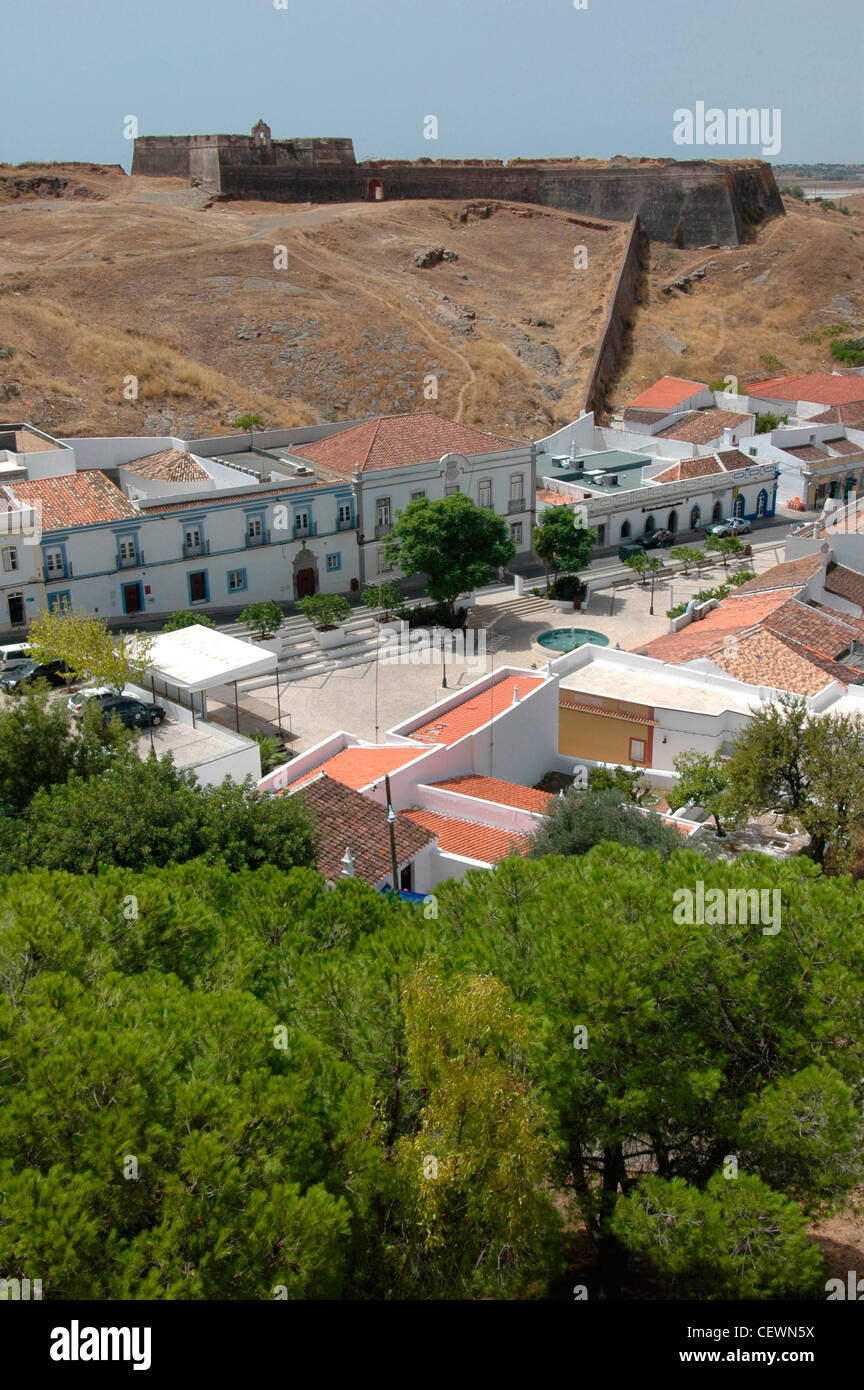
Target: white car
{"type": "Point", "coordinates": [731, 526]}
{"type": "Point", "coordinates": [12, 656]}
{"type": "Point", "coordinates": [75, 704]}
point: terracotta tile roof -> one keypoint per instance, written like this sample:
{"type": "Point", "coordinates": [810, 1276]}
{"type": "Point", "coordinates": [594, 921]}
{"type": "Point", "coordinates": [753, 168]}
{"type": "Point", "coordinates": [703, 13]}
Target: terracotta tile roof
{"type": "Point", "coordinates": [761, 658]}
{"type": "Point", "coordinates": [271, 495]}
{"type": "Point", "coordinates": [27, 441]}
{"type": "Point", "coordinates": [391, 441]}
{"type": "Point", "coordinates": [845, 583]}
{"type": "Point", "coordinates": [553, 499]}
{"type": "Point", "coordinates": [843, 446]}
{"type": "Point", "coordinates": [485, 843]}
{"type": "Point", "coordinates": [360, 767]}
{"type": "Point", "coordinates": [783, 576]}
{"type": "Point", "coordinates": [688, 468]}
{"type": "Point", "coordinates": [669, 391]}
{"type": "Point", "coordinates": [822, 387]}
{"type": "Point", "coordinates": [346, 818]}
{"type": "Point", "coordinates": [169, 466]}
{"type": "Point", "coordinates": [565, 702]}
{"type": "Point", "coordinates": [808, 452]}
{"type": "Point", "coordinates": [474, 712]}
{"type": "Point", "coordinates": [733, 616]}
{"type": "Point", "coordinates": [494, 789]}
{"type": "Point", "coordinates": [851, 413]}
{"type": "Point", "coordinates": [733, 458]}
{"type": "Point", "coordinates": [79, 499]}
{"type": "Point", "coordinates": [702, 426]}
{"type": "Point", "coordinates": [813, 628]}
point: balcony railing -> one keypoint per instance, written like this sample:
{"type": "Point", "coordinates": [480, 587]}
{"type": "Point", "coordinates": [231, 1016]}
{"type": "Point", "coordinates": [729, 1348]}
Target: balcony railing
{"type": "Point", "coordinates": [345, 523]}
{"type": "Point", "coordinates": [193, 548]}
{"type": "Point", "coordinates": [52, 576]}
{"type": "Point", "coordinates": [383, 528]}
{"type": "Point", "coordinates": [263, 538]}
{"type": "Point", "coordinates": [300, 531]}
{"type": "Point", "coordinates": [128, 562]}
{"type": "Point", "coordinates": [516, 504]}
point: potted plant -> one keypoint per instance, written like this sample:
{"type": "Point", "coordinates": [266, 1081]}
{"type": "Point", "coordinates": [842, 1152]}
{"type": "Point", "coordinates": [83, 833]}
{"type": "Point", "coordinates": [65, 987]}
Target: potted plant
{"type": "Point", "coordinates": [326, 612]}
{"type": "Point", "coordinates": [567, 593]}
{"type": "Point", "coordinates": [262, 620]}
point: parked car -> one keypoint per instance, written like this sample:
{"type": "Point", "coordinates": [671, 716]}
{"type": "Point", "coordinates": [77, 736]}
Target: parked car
{"type": "Point", "coordinates": [75, 704]}
{"type": "Point", "coordinates": [135, 714]}
{"type": "Point", "coordinates": [28, 671]}
{"type": "Point", "coordinates": [630, 548]}
{"type": "Point", "coordinates": [13, 656]}
{"type": "Point", "coordinates": [729, 526]}
{"type": "Point", "coordinates": [658, 539]}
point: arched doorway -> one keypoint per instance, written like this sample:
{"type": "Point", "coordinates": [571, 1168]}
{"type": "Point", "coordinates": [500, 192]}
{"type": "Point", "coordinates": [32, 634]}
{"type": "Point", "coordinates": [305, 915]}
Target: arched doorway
{"type": "Point", "coordinates": [762, 503]}
{"type": "Point", "coordinates": [717, 512]}
{"type": "Point", "coordinates": [695, 518]}
{"type": "Point", "coordinates": [738, 509]}
{"type": "Point", "coordinates": [649, 524]}
{"type": "Point", "coordinates": [625, 530]}
{"type": "Point", "coordinates": [375, 191]}
{"type": "Point", "coordinates": [672, 522]}
{"type": "Point", "coordinates": [305, 574]}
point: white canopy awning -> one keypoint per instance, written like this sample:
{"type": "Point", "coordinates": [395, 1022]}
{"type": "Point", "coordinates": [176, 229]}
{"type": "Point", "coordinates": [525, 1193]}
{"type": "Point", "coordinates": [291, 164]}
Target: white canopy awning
{"type": "Point", "coordinates": [198, 658]}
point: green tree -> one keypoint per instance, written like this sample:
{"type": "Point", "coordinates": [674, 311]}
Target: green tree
{"type": "Point", "coordinates": [265, 618]}
{"type": "Point", "coordinates": [582, 819]}
{"type": "Point", "coordinates": [141, 813]}
{"type": "Point", "coordinates": [702, 781]}
{"type": "Point", "coordinates": [638, 563]}
{"type": "Point", "coordinates": [457, 545]}
{"type": "Point", "coordinates": [768, 766]}
{"type": "Point", "coordinates": [250, 423]}
{"type": "Point", "coordinates": [471, 1213]}
{"type": "Point", "coordinates": [733, 1239]}
{"type": "Point", "coordinates": [40, 747]}
{"type": "Point", "coordinates": [562, 545]}
{"type": "Point", "coordinates": [89, 650]}
{"type": "Point", "coordinates": [183, 618]}
{"type": "Point", "coordinates": [687, 554]}
{"type": "Point", "coordinates": [325, 610]}
{"type": "Point", "coordinates": [385, 596]}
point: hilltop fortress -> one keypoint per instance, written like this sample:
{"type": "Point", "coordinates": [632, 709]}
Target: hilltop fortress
{"type": "Point", "coordinates": [689, 203]}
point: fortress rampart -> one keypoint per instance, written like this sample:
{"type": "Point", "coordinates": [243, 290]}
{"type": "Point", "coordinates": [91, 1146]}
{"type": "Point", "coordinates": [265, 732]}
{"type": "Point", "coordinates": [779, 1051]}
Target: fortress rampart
{"type": "Point", "coordinates": [686, 203]}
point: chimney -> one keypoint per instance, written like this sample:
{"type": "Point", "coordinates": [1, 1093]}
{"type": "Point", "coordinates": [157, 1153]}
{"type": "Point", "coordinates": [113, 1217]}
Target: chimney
{"type": "Point", "coordinates": [728, 441]}
{"type": "Point", "coordinates": [347, 862]}
{"type": "Point", "coordinates": [515, 695]}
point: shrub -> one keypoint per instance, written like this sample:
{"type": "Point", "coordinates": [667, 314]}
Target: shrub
{"type": "Point", "coordinates": [848, 350]}
{"type": "Point", "coordinates": [325, 610]}
{"type": "Point", "coordinates": [264, 618]}
{"type": "Point", "coordinates": [568, 586]}
{"type": "Point", "coordinates": [183, 618]}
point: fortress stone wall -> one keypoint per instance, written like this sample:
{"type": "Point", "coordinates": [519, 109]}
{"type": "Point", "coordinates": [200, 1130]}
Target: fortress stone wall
{"type": "Point", "coordinates": [689, 203]}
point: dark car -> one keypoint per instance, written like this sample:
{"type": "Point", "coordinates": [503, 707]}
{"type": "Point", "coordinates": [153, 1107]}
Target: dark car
{"type": "Point", "coordinates": [658, 539]}
{"type": "Point", "coordinates": [133, 713]}
{"type": "Point", "coordinates": [51, 671]}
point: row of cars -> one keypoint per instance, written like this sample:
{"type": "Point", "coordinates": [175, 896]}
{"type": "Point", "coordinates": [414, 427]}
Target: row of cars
{"type": "Point", "coordinates": [660, 539]}
{"type": "Point", "coordinates": [18, 670]}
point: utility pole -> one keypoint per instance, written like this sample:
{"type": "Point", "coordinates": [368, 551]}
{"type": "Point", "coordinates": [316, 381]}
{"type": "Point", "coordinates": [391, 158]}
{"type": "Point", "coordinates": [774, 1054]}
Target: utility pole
{"type": "Point", "coordinates": [391, 821]}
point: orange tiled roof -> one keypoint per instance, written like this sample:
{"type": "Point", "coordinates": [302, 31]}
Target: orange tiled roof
{"type": "Point", "coordinates": [701, 426]}
{"type": "Point", "coordinates": [851, 413]}
{"type": "Point", "coordinates": [501, 792]}
{"type": "Point", "coordinates": [474, 712]}
{"type": "Point", "coordinates": [668, 391]}
{"type": "Point", "coordinates": [359, 767]}
{"type": "Point", "coordinates": [814, 627]}
{"type": "Point", "coordinates": [731, 617]}
{"type": "Point", "coordinates": [783, 576]}
{"type": "Point", "coordinates": [762, 658]}
{"type": "Point", "coordinates": [687, 468]}
{"type": "Point", "coordinates": [27, 441]}
{"type": "Point", "coordinates": [169, 466]}
{"type": "Point", "coordinates": [553, 499]}
{"type": "Point", "coordinates": [843, 446]}
{"type": "Point", "coordinates": [845, 583]}
{"type": "Point", "coordinates": [345, 817]}
{"type": "Point", "coordinates": [822, 387]}
{"type": "Point", "coordinates": [485, 843]}
{"type": "Point", "coordinates": [78, 499]}
{"type": "Point", "coordinates": [393, 440]}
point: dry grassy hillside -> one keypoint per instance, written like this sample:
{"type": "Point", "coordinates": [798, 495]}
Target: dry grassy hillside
{"type": "Point", "coordinates": [109, 277]}
{"type": "Point", "coordinates": [801, 273]}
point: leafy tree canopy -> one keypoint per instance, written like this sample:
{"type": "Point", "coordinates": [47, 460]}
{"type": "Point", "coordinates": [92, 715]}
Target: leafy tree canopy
{"type": "Point", "coordinates": [457, 545]}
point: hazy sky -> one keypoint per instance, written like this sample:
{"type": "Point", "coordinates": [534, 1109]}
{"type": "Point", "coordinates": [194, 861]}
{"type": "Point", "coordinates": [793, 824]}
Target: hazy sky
{"type": "Point", "coordinates": [503, 77]}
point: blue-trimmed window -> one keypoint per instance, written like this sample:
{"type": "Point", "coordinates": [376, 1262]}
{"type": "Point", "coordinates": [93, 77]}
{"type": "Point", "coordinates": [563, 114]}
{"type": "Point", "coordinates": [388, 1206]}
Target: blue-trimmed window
{"type": "Point", "coordinates": [303, 524]}
{"type": "Point", "coordinates": [57, 602]}
{"type": "Point", "coordinates": [256, 531]}
{"type": "Point", "coordinates": [194, 541]}
{"type": "Point", "coordinates": [334, 560]}
{"type": "Point", "coordinates": [198, 584]}
{"type": "Point", "coordinates": [236, 581]}
{"type": "Point", "coordinates": [345, 515]}
{"type": "Point", "coordinates": [128, 554]}
{"type": "Point", "coordinates": [54, 561]}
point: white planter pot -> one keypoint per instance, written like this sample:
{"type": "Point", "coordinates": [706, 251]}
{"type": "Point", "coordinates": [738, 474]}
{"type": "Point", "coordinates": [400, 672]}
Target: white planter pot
{"type": "Point", "coordinates": [331, 637]}
{"type": "Point", "coordinates": [562, 605]}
